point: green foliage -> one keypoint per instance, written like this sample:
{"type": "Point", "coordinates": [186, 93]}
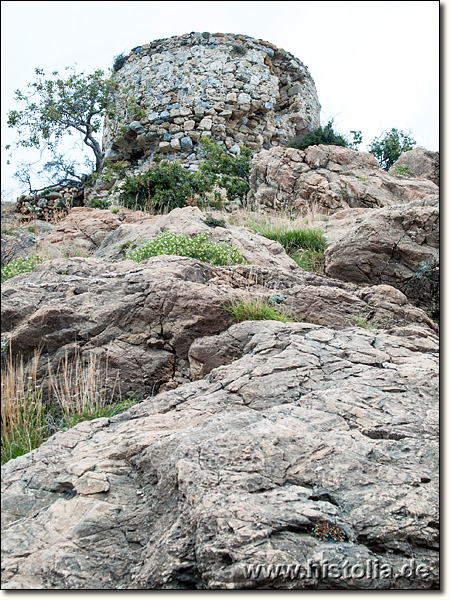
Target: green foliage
{"type": "Point", "coordinates": [311, 260]}
{"type": "Point", "coordinates": [19, 266]}
{"type": "Point", "coordinates": [198, 247]}
{"type": "Point", "coordinates": [119, 61]}
{"type": "Point", "coordinates": [57, 106]}
{"type": "Point", "coordinates": [99, 203]}
{"type": "Point", "coordinates": [213, 222]}
{"type": "Point", "coordinates": [322, 135]}
{"type": "Point", "coordinates": [256, 310]}
{"type": "Point", "coordinates": [169, 185]}
{"type": "Point", "coordinates": [403, 170]}
{"type": "Point", "coordinates": [356, 140]}
{"type": "Point", "coordinates": [24, 428]}
{"type": "Point", "coordinates": [105, 410]}
{"type": "Point", "coordinates": [388, 147]}
{"type": "Point", "coordinates": [226, 171]}
{"type": "Point", "coordinates": [165, 187]}
{"type": "Point", "coordinates": [111, 171]}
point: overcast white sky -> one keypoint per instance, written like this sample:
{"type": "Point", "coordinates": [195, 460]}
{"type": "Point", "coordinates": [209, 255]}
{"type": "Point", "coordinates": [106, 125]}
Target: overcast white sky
{"type": "Point", "coordinates": [375, 64]}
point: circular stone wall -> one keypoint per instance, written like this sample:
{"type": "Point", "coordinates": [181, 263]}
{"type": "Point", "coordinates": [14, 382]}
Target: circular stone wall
{"type": "Point", "coordinates": [231, 88]}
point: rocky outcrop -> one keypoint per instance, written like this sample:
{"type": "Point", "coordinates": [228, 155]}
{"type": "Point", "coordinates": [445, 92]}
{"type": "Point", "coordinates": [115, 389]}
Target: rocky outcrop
{"type": "Point", "coordinates": [232, 88]}
{"type": "Point", "coordinates": [397, 245]}
{"type": "Point", "coordinates": [313, 448]}
{"type": "Point", "coordinates": [83, 230]}
{"type": "Point", "coordinates": [328, 179]}
{"type": "Point", "coordinates": [141, 319]}
{"type": "Point", "coordinates": [420, 163]}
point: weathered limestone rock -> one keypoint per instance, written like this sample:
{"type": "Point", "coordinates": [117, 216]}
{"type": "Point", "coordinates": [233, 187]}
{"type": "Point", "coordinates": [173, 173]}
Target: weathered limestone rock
{"type": "Point", "coordinates": [329, 179]}
{"type": "Point", "coordinates": [421, 163]}
{"type": "Point", "coordinates": [233, 88]}
{"type": "Point", "coordinates": [313, 447]}
{"type": "Point", "coordinates": [396, 245]}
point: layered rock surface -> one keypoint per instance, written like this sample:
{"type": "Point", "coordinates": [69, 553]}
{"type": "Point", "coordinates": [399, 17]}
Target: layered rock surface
{"type": "Point", "coordinates": [328, 178]}
{"type": "Point", "coordinates": [312, 446]}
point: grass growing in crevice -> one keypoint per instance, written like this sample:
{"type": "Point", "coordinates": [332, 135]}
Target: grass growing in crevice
{"type": "Point", "coordinates": [74, 392]}
{"type": "Point", "coordinates": [305, 245]}
{"type": "Point", "coordinates": [256, 310]}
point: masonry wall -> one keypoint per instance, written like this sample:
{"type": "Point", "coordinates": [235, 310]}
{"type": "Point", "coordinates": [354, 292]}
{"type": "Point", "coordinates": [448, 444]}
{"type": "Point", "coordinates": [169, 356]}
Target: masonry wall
{"type": "Point", "coordinates": [232, 88]}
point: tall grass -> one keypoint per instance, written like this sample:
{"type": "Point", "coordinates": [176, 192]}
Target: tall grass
{"type": "Point", "coordinates": [34, 408]}
{"type": "Point", "coordinates": [24, 424]}
{"type": "Point", "coordinates": [306, 245]}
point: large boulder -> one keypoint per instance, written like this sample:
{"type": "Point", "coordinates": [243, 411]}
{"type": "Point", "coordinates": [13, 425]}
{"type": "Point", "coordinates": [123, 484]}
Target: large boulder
{"type": "Point", "coordinates": [328, 179]}
{"type": "Point", "coordinates": [396, 245]}
{"type": "Point", "coordinates": [315, 450]}
{"type": "Point", "coordinates": [420, 163]}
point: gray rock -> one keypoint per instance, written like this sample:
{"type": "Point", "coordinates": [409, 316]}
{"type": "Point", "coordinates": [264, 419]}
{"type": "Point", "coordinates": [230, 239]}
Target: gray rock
{"type": "Point", "coordinates": [186, 144]}
{"type": "Point", "coordinates": [313, 448]}
{"type": "Point", "coordinates": [396, 245]}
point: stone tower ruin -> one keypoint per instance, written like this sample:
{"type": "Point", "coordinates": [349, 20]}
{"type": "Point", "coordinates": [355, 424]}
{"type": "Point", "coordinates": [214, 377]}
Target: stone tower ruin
{"type": "Point", "coordinates": [231, 88]}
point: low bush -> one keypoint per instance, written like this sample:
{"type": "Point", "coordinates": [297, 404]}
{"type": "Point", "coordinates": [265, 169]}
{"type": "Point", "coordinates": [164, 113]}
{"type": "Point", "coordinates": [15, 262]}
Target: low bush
{"type": "Point", "coordinates": [321, 135]}
{"type": "Point", "coordinates": [403, 170]}
{"type": "Point", "coordinates": [390, 145]}
{"type": "Point", "coordinates": [19, 266]}
{"type": "Point", "coordinates": [99, 203]}
{"type": "Point", "coordinates": [165, 187]}
{"type": "Point", "coordinates": [256, 310]}
{"type": "Point", "coordinates": [225, 170]}
{"type": "Point", "coordinates": [168, 185]}
{"type": "Point", "coordinates": [198, 246]}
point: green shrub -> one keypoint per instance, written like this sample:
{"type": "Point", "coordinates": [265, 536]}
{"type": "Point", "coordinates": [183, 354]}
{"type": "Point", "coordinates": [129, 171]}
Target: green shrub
{"type": "Point", "coordinates": [388, 147]}
{"type": "Point", "coordinates": [20, 265]}
{"type": "Point", "coordinates": [225, 170]}
{"type": "Point", "coordinates": [119, 61]}
{"type": "Point", "coordinates": [98, 203]}
{"type": "Point", "coordinates": [166, 186]}
{"type": "Point", "coordinates": [402, 170]}
{"type": "Point", "coordinates": [213, 222]}
{"type": "Point", "coordinates": [198, 247]}
{"type": "Point", "coordinates": [321, 135]}
{"type": "Point", "coordinates": [256, 310]}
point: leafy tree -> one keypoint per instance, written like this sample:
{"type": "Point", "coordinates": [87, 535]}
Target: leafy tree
{"type": "Point", "coordinates": [56, 106]}
{"type": "Point", "coordinates": [388, 147]}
